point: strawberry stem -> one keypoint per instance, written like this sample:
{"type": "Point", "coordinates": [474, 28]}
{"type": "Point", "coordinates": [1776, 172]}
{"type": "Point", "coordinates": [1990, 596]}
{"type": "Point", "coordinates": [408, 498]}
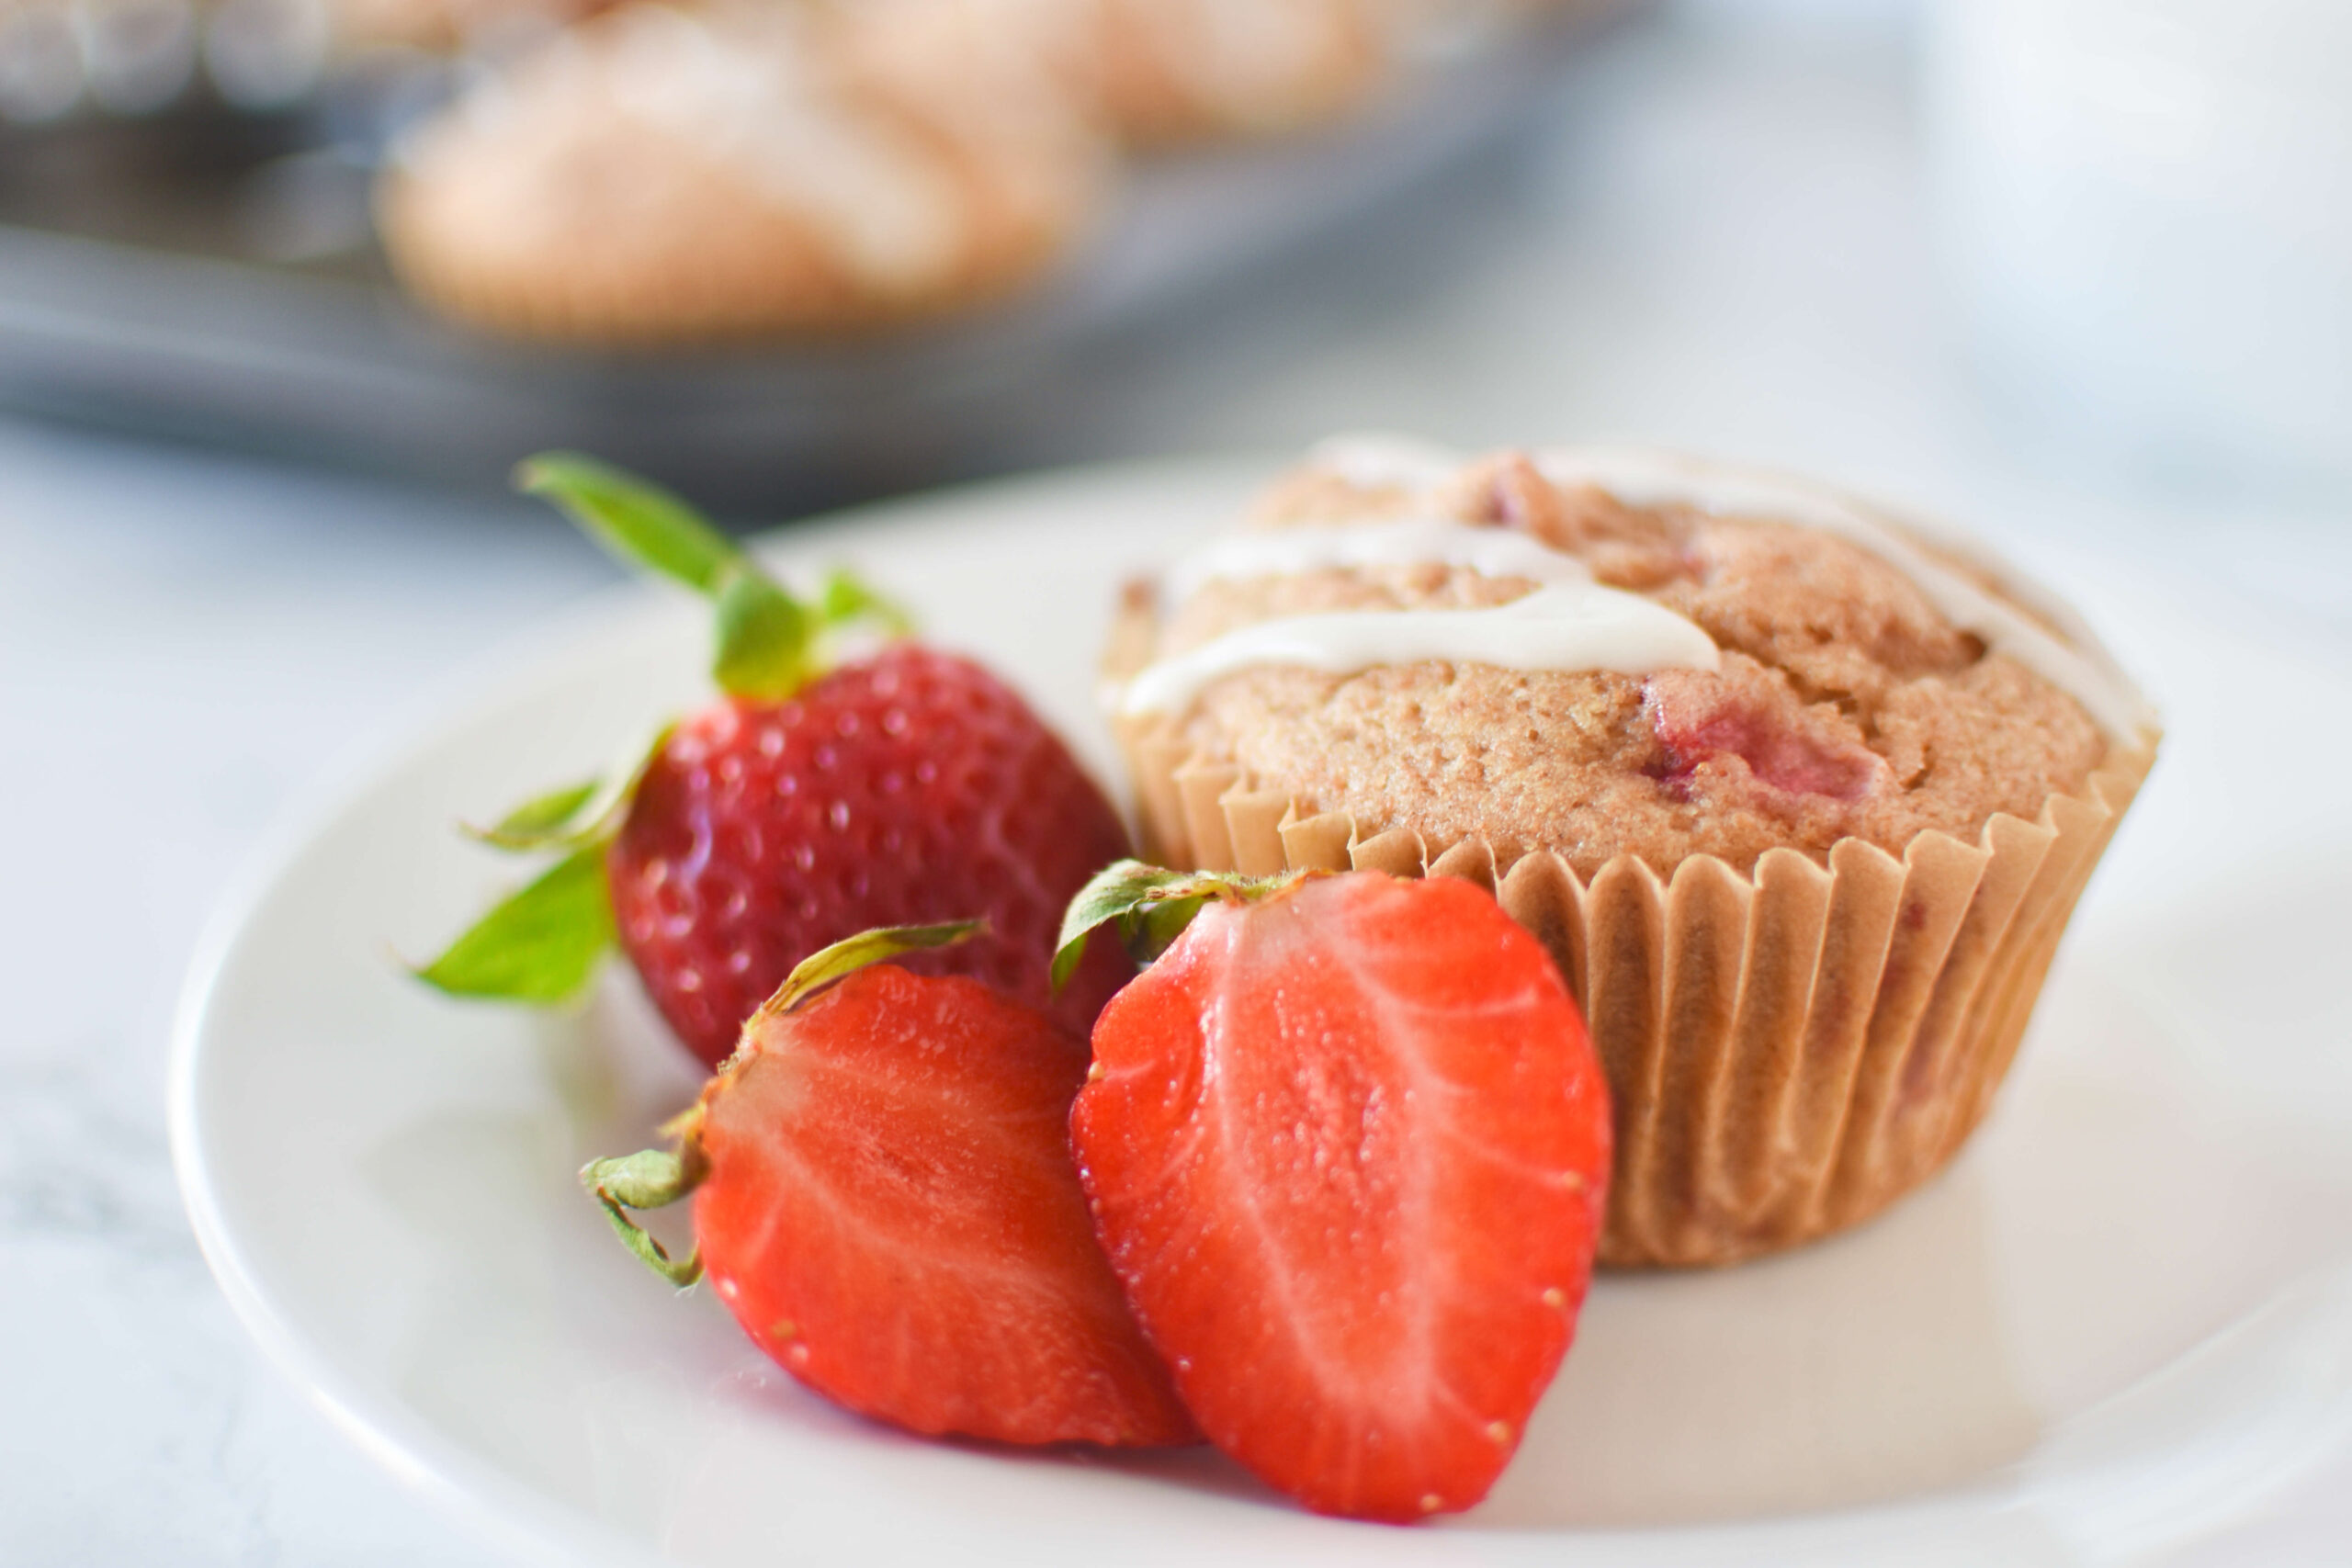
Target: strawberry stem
{"type": "Point", "coordinates": [651, 1178]}
{"type": "Point", "coordinates": [1150, 906]}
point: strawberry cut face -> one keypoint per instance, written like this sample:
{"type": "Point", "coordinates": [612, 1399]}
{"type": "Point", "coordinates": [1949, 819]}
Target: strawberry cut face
{"type": "Point", "coordinates": [1348, 1150]}
{"type": "Point", "coordinates": [892, 1215]}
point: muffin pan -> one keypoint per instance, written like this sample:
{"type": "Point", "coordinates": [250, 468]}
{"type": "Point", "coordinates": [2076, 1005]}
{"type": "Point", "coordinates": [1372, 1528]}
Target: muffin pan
{"type": "Point", "coordinates": [212, 276]}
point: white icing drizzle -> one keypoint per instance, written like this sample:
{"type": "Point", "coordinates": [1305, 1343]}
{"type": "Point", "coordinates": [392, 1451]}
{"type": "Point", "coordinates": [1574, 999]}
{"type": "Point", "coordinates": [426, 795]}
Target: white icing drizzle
{"type": "Point", "coordinates": [1639, 477]}
{"type": "Point", "coordinates": [1572, 624]}
{"type": "Point", "coordinates": [1656, 479]}
{"type": "Point", "coordinates": [1289, 552]}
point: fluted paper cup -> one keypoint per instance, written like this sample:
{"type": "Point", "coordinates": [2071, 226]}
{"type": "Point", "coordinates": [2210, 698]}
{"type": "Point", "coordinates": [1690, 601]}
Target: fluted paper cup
{"type": "Point", "coordinates": [1789, 1049]}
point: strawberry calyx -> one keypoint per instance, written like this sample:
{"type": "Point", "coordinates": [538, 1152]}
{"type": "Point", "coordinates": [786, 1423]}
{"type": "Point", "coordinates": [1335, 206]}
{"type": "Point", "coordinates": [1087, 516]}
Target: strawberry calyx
{"type": "Point", "coordinates": [543, 943]}
{"type": "Point", "coordinates": [1150, 906]}
{"type": "Point", "coordinates": [540, 944]}
{"type": "Point", "coordinates": [769, 643]}
{"type": "Point", "coordinates": [847, 956]}
{"type": "Point", "coordinates": [529, 825]}
{"type": "Point", "coordinates": [575, 815]}
{"type": "Point", "coordinates": [651, 1178]}
{"type": "Point", "coordinates": [654, 1178]}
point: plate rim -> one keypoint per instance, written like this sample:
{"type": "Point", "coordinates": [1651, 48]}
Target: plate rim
{"type": "Point", "coordinates": [422, 1462]}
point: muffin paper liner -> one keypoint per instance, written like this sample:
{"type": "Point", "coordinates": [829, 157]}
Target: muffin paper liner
{"type": "Point", "coordinates": [1788, 1050]}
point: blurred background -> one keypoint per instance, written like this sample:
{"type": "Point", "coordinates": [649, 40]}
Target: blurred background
{"type": "Point", "coordinates": [898, 241]}
{"type": "Point", "coordinates": [286, 286]}
{"type": "Point", "coordinates": [2080, 267]}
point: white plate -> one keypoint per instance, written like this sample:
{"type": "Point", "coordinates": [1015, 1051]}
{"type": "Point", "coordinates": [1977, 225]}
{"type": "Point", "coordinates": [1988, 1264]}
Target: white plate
{"type": "Point", "coordinates": [2123, 1319]}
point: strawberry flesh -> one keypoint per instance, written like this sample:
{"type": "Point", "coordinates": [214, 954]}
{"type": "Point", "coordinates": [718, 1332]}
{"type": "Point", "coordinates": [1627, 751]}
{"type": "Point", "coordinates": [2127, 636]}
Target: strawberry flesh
{"type": "Point", "coordinates": [909, 788]}
{"type": "Point", "coordinates": [892, 1213]}
{"type": "Point", "coordinates": [1349, 1149]}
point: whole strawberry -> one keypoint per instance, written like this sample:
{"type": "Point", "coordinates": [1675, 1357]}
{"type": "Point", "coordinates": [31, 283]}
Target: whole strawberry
{"type": "Point", "coordinates": [819, 797]}
{"type": "Point", "coordinates": [884, 1198]}
{"type": "Point", "coordinates": [1348, 1149]}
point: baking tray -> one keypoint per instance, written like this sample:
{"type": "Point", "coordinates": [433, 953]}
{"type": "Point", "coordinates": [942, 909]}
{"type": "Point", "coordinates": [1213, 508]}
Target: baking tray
{"type": "Point", "coordinates": [210, 276]}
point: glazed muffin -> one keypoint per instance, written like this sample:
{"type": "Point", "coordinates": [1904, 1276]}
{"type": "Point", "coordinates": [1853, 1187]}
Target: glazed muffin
{"type": "Point", "coordinates": [663, 176]}
{"type": "Point", "coordinates": [1799, 797]}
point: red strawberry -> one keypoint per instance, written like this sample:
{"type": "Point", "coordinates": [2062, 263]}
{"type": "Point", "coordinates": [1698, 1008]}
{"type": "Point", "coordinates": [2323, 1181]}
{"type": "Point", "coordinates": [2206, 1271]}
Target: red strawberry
{"type": "Point", "coordinates": [885, 1199]}
{"type": "Point", "coordinates": [1348, 1146]}
{"type": "Point", "coordinates": [814, 801]}
{"type": "Point", "coordinates": [899, 790]}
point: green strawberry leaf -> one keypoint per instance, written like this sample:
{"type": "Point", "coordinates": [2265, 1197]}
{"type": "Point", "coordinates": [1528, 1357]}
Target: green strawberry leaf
{"type": "Point", "coordinates": [768, 643]}
{"type": "Point", "coordinates": [1112, 893]}
{"type": "Point", "coordinates": [848, 598]}
{"type": "Point", "coordinates": [635, 519]}
{"type": "Point", "coordinates": [649, 1178]}
{"type": "Point", "coordinates": [767, 640]}
{"type": "Point", "coordinates": [578, 815]}
{"type": "Point", "coordinates": [1152, 930]}
{"type": "Point", "coordinates": [537, 821]}
{"type": "Point", "coordinates": [845, 957]}
{"type": "Point", "coordinates": [540, 944]}
{"type": "Point", "coordinates": [1150, 907]}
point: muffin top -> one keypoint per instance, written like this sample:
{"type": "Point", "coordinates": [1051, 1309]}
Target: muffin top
{"type": "Point", "coordinates": [1607, 652]}
{"type": "Point", "coordinates": [666, 173]}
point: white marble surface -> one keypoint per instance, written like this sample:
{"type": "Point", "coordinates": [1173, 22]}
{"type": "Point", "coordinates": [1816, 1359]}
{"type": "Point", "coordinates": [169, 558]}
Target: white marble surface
{"type": "Point", "coordinates": [1720, 241]}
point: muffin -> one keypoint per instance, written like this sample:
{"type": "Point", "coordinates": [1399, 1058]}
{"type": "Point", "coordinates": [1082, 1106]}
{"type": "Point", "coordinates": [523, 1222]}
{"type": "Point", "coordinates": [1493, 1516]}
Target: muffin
{"type": "Point", "coordinates": [1160, 72]}
{"type": "Point", "coordinates": [664, 176]}
{"type": "Point", "coordinates": [1799, 796]}
{"type": "Point", "coordinates": [450, 27]}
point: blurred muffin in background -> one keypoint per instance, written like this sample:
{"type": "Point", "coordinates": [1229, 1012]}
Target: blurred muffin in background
{"type": "Point", "coordinates": [1163, 71]}
{"type": "Point", "coordinates": [661, 176]}
{"type": "Point", "coordinates": [451, 26]}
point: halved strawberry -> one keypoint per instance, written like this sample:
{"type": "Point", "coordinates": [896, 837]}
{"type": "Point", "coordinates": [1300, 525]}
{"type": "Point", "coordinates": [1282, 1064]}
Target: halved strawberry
{"type": "Point", "coordinates": [1348, 1147]}
{"type": "Point", "coordinates": [884, 1198]}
